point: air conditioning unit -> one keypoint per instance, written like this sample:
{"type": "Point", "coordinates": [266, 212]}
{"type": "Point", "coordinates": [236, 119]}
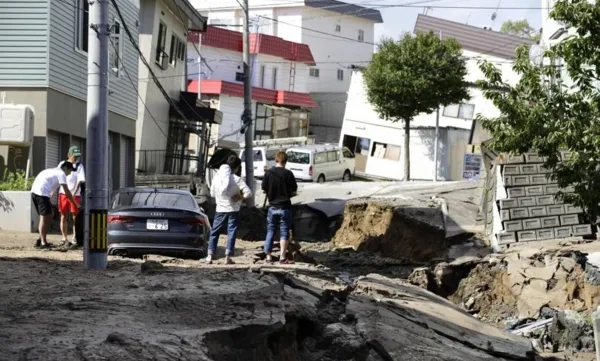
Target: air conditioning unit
{"type": "Point", "coordinates": [16, 124]}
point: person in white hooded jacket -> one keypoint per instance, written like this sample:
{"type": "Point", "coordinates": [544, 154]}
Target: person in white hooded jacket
{"type": "Point", "coordinates": [228, 190]}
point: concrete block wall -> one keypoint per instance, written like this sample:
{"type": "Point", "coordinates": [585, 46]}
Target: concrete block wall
{"type": "Point", "coordinates": [531, 212]}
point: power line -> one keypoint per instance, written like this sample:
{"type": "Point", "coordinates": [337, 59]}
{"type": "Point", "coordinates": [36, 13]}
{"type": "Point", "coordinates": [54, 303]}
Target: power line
{"type": "Point", "coordinates": [135, 86]}
{"type": "Point", "coordinates": [358, 12]}
{"type": "Point", "coordinates": [145, 62]}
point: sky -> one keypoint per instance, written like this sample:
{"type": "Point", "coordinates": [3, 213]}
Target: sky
{"type": "Point", "coordinates": [398, 20]}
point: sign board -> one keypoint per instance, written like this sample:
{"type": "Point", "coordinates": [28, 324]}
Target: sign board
{"type": "Point", "coordinates": [471, 166]}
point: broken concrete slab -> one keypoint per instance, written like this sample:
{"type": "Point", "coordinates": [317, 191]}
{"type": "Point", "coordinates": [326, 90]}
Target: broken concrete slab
{"type": "Point", "coordinates": [403, 229]}
{"type": "Point", "coordinates": [426, 314]}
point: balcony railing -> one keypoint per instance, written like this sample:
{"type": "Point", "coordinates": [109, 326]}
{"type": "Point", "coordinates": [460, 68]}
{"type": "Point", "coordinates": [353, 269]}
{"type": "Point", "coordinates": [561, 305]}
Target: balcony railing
{"type": "Point", "coordinates": [162, 162]}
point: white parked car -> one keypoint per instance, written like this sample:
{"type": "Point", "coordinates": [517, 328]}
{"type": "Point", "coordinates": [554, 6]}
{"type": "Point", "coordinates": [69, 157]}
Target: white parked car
{"type": "Point", "coordinates": [264, 159]}
{"type": "Point", "coordinates": [321, 162]}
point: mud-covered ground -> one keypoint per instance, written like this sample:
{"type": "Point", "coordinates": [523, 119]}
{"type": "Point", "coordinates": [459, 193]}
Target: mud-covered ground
{"type": "Point", "coordinates": [339, 307]}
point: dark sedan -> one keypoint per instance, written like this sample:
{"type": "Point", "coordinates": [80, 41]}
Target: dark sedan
{"type": "Point", "coordinates": [156, 221]}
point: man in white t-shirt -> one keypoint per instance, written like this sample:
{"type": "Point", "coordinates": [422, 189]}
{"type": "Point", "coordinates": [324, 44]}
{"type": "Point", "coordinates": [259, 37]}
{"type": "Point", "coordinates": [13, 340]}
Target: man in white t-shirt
{"type": "Point", "coordinates": [74, 182]}
{"type": "Point", "coordinates": [44, 185]}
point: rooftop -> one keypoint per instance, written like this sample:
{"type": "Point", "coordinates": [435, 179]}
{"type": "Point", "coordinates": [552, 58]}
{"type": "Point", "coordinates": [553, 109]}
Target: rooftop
{"type": "Point", "coordinates": [259, 44]}
{"type": "Point", "coordinates": [262, 95]}
{"type": "Point", "coordinates": [473, 38]}
{"type": "Point", "coordinates": [315, 148]}
{"type": "Point", "coordinates": [335, 6]}
{"type": "Point", "coordinates": [346, 9]}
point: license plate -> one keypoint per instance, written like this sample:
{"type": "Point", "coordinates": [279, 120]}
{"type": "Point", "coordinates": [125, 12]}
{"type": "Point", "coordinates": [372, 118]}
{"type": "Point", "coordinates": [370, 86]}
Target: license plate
{"type": "Point", "coordinates": [157, 225]}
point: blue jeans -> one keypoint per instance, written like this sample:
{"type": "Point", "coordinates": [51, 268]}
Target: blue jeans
{"type": "Point", "coordinates": [277, 217]}
{"type": "Point", "coordinates": [229, 219]}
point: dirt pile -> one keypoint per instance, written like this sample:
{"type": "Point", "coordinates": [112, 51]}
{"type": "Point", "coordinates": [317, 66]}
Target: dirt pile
{"type": "Point", "coordinates": [253, 224]}
{"type": "Point", "coordinates": [411, 230]}
{"type": "Point", "coordinates": [486, 293]}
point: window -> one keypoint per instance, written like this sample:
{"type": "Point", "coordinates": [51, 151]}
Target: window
{"type": "Point", "coordinates": [216, 21]}
{"type": "Point", "coordinates": [340, 74]}
{"type": "Point", "coordinates": [320, 158]}
{"type": "Point", "coordinates": [116, 49]}
{"type": "Point", "coordinates": [314, 72]}
{"type": "Point", "coordinates": [82, 24]}
{"type": "Point", "coordinates": [298, 157]}
{"type": "Point", "coordinates": [271, 154]}
{"type": "Point", "coordinates": [361, 35]}
{"type": "Point", "coordinates": [274, 78]}
{"type": "Point", "coordinates": [239, 76]}
{"type": "Point", "coordinates": [332, 156]}
{"type": "Point", "coordinates": [181, 51]}
{"type": "Point", "coordinates": [461, 111]}
{"type": "Point", "coordinates": [385, 151]}
{"type": "Point", "coordinates": [262, 76]}
{"type": "Point", "coordinates": [338, 28]}
{"type": "Point", "coordinates": [160, 45]}
{"type": "Point", "coordinates": [144, 198]}
{"type": "Point", "coordinates": [173, 51]}
{"type": "Point", "coordinates": [258, 156]}
{"type": "Point", "coordinates": [347, 153]}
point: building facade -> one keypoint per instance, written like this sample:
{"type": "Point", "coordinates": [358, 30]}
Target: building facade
{"type": "Point", "coordinates": [280, 101]}
{"type": "Point", "coordinates": [44, 64]}
{"type": "Point", "coordinates": [378, 143]}
{"type": "Point", "coordinates": [339, 35]}
{"type": "Point", "coordinates": [165, 122]}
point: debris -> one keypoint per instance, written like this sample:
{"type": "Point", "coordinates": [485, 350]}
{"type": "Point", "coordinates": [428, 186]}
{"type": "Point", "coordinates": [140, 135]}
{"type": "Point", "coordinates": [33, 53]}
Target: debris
{"type": "Point", "coordinates": [151, 266]}
{"type": "Point", "coordinates": [402, 229]}
{"type": "Point", "coordinates": [571, 331]}
{"type": "Point", "coordinates": [538, 325]}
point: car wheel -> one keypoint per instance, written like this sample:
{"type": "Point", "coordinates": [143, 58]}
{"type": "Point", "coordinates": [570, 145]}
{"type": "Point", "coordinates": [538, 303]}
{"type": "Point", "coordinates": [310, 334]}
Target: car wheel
{"type": "Point", "coordinates": [347, 176]}
{"type": "Point", "coordinates": [321, 179]}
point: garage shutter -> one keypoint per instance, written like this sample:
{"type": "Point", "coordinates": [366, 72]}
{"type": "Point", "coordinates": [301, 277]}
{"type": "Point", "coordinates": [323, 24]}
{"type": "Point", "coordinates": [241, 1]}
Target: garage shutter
{"type": "Point", "coordinates": [124, 162]}
{"type": "Point", "coordinates": [52, 150]}
{"type": "Point", "coordinates": [53, 155]}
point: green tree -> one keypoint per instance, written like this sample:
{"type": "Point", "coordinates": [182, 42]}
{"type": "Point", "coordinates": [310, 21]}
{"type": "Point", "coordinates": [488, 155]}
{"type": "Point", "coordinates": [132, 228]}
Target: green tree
{"type": "Point", "coordinates": [545, 113]}
{"type": "Point", "coordinates": [520, 28]}
{"type": "Point", "coordinates": [415, 75]}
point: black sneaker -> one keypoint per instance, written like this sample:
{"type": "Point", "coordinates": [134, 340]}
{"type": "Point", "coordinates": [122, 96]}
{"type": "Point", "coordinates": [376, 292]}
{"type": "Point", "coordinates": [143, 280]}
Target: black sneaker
{"type": "Point", "coordinates": [38, 243]}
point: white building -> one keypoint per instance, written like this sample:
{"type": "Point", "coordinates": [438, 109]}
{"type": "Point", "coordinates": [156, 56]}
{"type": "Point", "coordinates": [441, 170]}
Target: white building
{"type": "Point", "coordinates": [552, 30]}
{"type": "Point", "coordinates": [162, 130]}
{"type": "Point", "coordinates": [338, 34]}
{"type": "Point", "coordinates": [278, 65]}
{"type": "Point", "coordinates": [366, 133]}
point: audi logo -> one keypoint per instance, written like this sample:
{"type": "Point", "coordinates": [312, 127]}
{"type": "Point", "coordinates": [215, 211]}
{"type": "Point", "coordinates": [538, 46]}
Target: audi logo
{"type": "Point", "coordinates": [157, 214]}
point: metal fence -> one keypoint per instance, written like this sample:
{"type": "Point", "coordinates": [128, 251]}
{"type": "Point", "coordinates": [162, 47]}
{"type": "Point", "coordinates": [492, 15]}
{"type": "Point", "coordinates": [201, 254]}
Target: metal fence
{"type": "Point", "coordinates": [163, 162]}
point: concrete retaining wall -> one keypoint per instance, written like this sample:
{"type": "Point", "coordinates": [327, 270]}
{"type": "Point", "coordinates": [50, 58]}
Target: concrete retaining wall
{"type": "Point", "coordinates": [17, 212]}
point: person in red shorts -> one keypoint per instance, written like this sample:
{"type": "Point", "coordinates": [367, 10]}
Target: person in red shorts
{"type": "Point", "coordinates": [74, 182]}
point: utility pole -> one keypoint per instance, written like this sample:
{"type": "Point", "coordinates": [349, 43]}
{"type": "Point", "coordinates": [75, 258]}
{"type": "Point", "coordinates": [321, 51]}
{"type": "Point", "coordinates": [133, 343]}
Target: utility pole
{"type": "Point", "coordinates": [199, 141]}
{"type": "Point", "coordinates": [437, 138]}
{"type": "Point", "coordinates": [247, 115]}
{"type": "Point", "coordinates": [96, 195]}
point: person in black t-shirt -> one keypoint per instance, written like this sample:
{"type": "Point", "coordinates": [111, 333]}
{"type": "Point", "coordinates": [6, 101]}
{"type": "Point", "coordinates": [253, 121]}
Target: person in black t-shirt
{"type": "Point", "coordinates": [280, 186]}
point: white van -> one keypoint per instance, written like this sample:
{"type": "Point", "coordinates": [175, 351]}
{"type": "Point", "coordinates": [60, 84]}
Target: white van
{"type": "Point", "coordinates": [264, 159]}
{"type": "Point", "coordinates": [321, 162]}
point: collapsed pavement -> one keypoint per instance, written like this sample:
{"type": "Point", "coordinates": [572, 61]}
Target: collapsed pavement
{"type": "Point", "coordinates": [268, 314]}
{"type": "Point", "coordinates": [546, 294]}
